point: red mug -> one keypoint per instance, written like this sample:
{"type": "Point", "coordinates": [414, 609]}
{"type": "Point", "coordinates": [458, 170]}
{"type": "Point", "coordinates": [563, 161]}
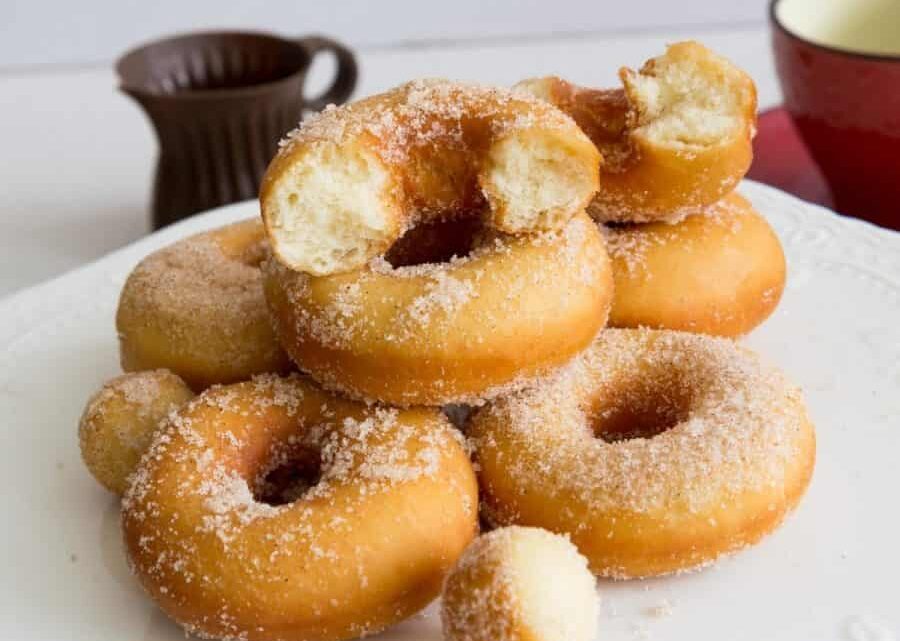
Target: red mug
{"type": "Point", "coordinates": [839, 66]}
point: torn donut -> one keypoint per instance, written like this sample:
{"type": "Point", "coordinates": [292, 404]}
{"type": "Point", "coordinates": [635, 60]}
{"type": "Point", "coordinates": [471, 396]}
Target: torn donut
{"type": "Point", "coordinates": [675, 139]}
{"type": "Point", "coordinates": [349, 182]}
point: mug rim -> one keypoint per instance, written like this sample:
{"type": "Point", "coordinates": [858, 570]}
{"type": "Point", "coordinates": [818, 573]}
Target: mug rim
{"type": "Point", "coordinates": [852, 53]}
{"type": "Point", "coordinates": [203, 94]}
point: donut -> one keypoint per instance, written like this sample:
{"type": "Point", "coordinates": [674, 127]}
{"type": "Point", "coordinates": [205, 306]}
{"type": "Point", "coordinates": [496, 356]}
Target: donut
{"type": "Point", "coordinates": [349, 182]}
{"type": "Point", "coordinates": [721, 271]}
{"type": "Point", "coordinates": [675, 139]}
{"type": "Point", "coordinates": [118, 422]}
{"type": "Point", "coordinates": [458, 331]}
{"type": "Point", "coordinates": [520, 584]}
{"type": "Point", "coordinates": [656, 451]}
{"type": "Point", "coordinates": [197, 308]}
{"type": "Point", "coordinates": [270, 510]}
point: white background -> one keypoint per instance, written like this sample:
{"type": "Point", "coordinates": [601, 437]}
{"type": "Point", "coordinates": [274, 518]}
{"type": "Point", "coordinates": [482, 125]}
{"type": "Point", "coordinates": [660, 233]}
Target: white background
{"type": "Point", "coordinates": [77, 157]}
{"type": "Point", "coordinates": [61, 31]}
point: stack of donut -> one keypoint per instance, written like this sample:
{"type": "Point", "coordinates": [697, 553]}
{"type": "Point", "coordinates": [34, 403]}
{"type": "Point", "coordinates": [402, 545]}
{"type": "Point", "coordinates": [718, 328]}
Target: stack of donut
{"type": "Point", "coordinates": [280, 440]}
{"type": "Point", "coordinates": [688, 252]}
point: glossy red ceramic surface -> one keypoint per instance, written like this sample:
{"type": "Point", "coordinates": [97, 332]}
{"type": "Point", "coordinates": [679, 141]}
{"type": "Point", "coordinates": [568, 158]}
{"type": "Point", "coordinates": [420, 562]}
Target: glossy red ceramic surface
{"type": "Point", "coordinates": [846, 107]}
{"type": "Point", "coordinates": [781, 159]}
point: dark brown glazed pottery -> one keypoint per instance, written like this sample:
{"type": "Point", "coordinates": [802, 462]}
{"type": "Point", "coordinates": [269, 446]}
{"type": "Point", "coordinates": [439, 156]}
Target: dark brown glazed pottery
{"type": "Point", "coordinates": [220, 102]}
{"type": "Point", "coordinates": [846, 108]}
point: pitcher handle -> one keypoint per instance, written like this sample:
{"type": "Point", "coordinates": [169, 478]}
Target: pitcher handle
{"type": "Point", "coordinates": [347, 72]}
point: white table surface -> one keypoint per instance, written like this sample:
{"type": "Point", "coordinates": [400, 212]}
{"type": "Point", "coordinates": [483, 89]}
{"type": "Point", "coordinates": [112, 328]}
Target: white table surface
{"type": "Point", "coordinates": [829, 574]}
{"type": "Point", "coordinates": [77, 157]}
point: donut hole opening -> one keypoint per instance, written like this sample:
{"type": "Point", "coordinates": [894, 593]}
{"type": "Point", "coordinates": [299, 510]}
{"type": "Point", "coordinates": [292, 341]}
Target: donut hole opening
{"type": "Point", "coordinates": [638, 411]}
{"type": "Point", "coordinates": [254, 254]}
{"type": "Point", "coordinates": [536, 182]}
{"type": "Point", "coordinates": [689, 98]}
{"type": "Point", "coordinates": [290, 479]}
{"type": "Point", "coordinates": [331, 212]}
{"type": "Point", "coordinates": [436, 242]}
{"type": "Point", "coordinates": [244, 242]}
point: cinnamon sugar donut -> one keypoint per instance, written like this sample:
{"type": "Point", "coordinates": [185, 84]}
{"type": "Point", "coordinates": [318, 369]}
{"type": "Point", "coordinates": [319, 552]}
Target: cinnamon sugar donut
{"type": "Point", "coordinates": [520, 583]}
{"type": "Point", "coordinates": [197, 309]}
{"type": "Point", "coordinates": [447, 332]}
{"type": "Point", "coordinates": [350, 181]}
{"type": "Point", "coordinates": [677, 137]}
{"type": "Point", "coordinates": [656, 451]}
{"type": "Point", "coordinates": [120, 419]}
{"type": "Point", "coordinates": [721, 271]}
{"type": "Point", "coordinates": [271, 510]}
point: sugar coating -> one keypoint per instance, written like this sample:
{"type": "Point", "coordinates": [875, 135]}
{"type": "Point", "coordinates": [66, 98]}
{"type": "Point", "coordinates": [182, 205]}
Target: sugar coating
{"type": "Point", "coordinates": [722, 423]}
{"type": "Point", "coordinates": [445, 291]}
{"type": "Point", "coordinates": [195, 276]}
{"type": "Point", "coordinates": [674, 139]}
{"type": "Point", "coordinates": [347, 184]}
{"type": "Point", "coordinates": [628, 244]}
{"type": "Point", "coordinates": [441, 310]}
{"type": "Point", "coordinates": [426, 113]}
{"type": "Point", "coordinates": [720, 271]}
{"type": "Point", "coordinates": [119, 420]}
{"type": "Point", "coordinates": [140, 390]}
{"type": "Point", "coordinates": [192, 516]}
{"type": "Point", "coordinates": [202, 296]}
{"type": "Point", "coordinates": [738, 431]}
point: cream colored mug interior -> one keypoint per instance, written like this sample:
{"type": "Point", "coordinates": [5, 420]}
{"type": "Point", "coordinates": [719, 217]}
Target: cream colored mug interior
{"type": "Point", "coordinates": [860, 26]}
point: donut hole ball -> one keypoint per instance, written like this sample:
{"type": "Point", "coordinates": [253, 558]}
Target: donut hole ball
{"type": "Point", "coordinates": [120, 420]}
{"type": "Point", "coordinates": [520, 583]}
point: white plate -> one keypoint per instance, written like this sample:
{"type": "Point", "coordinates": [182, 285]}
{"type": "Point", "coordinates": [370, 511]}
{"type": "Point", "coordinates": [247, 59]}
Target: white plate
{"type": "Point", "coordinates": [829, 573]}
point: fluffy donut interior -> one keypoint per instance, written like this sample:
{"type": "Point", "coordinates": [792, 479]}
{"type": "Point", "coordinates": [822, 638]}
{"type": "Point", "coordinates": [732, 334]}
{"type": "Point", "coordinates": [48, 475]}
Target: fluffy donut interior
{"type": "Point", "coordinates": [534, 180]}
{"type": "Point", "coordinates": [689, 98]}
{"type": "Point", "coordinates": [332, 210]}
{"type": "Point", "coordinates": [558, 605]}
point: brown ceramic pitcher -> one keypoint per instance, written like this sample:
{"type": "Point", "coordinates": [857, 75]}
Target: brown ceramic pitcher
{"type": "Point", "coordinates": [219, 102]}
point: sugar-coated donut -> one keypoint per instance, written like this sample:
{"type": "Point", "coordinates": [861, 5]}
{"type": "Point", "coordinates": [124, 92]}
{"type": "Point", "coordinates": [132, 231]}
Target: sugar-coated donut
{"type": "Point", "coordinates": [197, 309]}
{"type": "Point", "coordinates": [350, 181]}
{"type": "Point", "coordinates": [271, 510]}
{"type": "Point", "coordinates": [520, 584]}
{"type": "Point", "coordinates": [675, 139]}
{"type": "Point", "coordinates": [721, 271]}
{"type": "Point", "coordinates": [119, 421]}
{"type": "Point", "coordinates": [457, 331]}
{"type": "Point", "coordinates": [656, 451]}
